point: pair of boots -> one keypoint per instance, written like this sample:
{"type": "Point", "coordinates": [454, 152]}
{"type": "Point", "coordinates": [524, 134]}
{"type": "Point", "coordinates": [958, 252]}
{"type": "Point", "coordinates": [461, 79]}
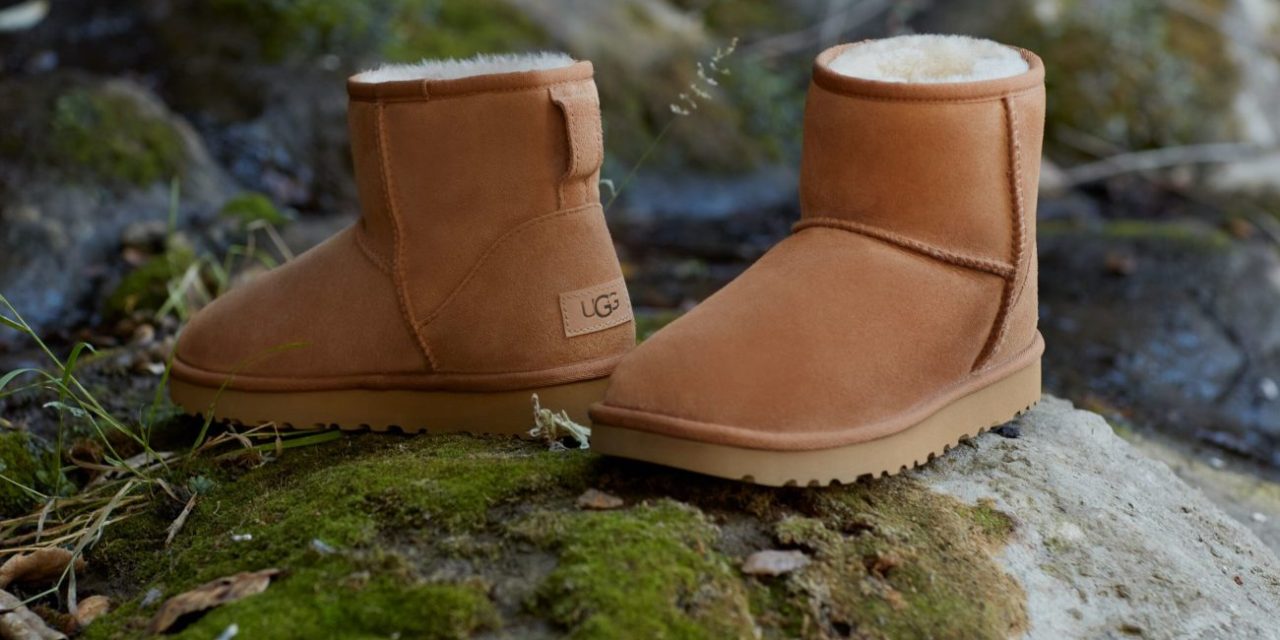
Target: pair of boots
{"type": "Point", "coordinates": [899, 317]}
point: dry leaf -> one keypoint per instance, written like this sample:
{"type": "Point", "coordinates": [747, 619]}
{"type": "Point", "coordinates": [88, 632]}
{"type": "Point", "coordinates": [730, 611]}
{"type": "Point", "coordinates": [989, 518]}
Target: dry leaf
{"type": "Point", "coordinates": [37, 567]}
{"type": "Point", "coordinates": [90, 609]}
{"type": "Point", "coordinates": [210, 595]}
{"type": "Point", "coordinates": [17, 622]}
{"type": "Point", "coordinates": [598, 500]}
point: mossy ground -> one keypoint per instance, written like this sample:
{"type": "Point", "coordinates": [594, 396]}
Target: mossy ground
{"type": "Point", "coordinates": [452, 536]}
{"type": "Point", "coordinates": [20, 464]}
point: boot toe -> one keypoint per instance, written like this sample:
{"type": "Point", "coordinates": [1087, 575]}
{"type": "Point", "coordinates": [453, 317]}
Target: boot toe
{"type": "Point", "coordinates": [328, 314]}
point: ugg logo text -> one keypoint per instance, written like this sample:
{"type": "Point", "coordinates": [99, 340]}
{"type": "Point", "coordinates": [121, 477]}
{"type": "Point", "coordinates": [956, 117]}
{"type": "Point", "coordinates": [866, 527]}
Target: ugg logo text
{"type": "Point", "coordinates": [602, 307]}
{"type": "Point", "coordinates": [595, 308]}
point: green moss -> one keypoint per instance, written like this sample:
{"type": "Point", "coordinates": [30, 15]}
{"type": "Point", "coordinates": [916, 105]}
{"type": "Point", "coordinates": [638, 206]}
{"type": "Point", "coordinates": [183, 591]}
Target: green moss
{"type": "Point", "coordinates": [448, 536]}
{"type": "Point", "coordinates": [109, 136]}
{"type": "Point", "coordinates": [333, 594]}
{"type": "Point", "coordinates": [147, 286]}
{"type": "Point", "coordinates": [648, 323]}
{"type": "Point", "coordinates": [649, 572]}
{"type": "Point", "coordinates": [460, 28]}
{"type": "Point", "coordinates": [895, 560]}
{"type": "Point", "coordinates": [1184, 234]}
{"type": "Point", "coordinates": [1137, 75]}
{"type": "Point", "coordinates": [20, 465]}
{"type": "Point", "coordinates": [352, 496]}
{"type": "Point", "coordinates": [250, 207]}
{"type": "Point", "coordinates": [403, 30]}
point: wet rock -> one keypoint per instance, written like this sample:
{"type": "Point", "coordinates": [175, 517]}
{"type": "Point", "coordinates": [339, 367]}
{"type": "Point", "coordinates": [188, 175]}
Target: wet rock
{"type": "Point", "coordinates": [86, 158]}
{"type": "Point", "coordinates": [1185, 341]}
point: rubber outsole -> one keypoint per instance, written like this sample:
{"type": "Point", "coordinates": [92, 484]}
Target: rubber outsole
{"type": "Point", "coordinates": [497, 413]}
{"type": "Point", "coordinates": [965, 417]}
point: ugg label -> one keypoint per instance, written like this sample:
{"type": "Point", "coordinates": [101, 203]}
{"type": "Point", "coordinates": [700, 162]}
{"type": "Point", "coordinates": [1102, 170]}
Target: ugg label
{"type": "Point", "coordinates": [595, 308]}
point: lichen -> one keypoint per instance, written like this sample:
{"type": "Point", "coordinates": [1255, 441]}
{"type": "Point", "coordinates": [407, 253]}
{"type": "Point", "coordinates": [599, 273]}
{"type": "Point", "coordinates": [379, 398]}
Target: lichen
{"type": "Point", "coordinates": [109, 135]}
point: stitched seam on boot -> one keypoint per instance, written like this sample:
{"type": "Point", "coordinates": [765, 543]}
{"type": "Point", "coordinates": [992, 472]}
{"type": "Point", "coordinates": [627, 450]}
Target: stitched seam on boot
{"type": "Point", "coordinates": [377, 260]}
{"type": "Point", "coordinates": [915, 246]}
{"type": "Point", "coordinates": [494, 246]}
{"type": "Point", "coordinates": [397, 278]}
{"type": "Point", "coordinates": [1001, 326]}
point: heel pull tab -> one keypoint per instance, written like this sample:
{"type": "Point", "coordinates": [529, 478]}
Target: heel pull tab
{"type": "Point", "coordinates": [581, 107]}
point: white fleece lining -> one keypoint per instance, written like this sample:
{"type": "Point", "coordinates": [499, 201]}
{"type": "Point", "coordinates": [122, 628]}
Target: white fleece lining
{"type": "Point", "coordinates": [478, 65]}
{"type": "Point", "coordinates": [930, 59]}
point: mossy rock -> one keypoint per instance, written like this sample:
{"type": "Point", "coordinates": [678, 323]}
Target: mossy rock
{"type": "Point", "coordinates": [22, 471]}
{"type": "Point", "coordinates": [400, 30]}
{"type": "Point", "coordinates": [110, 135]}
{"type": "Point", "coordinates": [1133, 75]}
{"type": "Point", "coordinates": [452, 536]}
{"type": "Point", "coordinates": [107, 132]}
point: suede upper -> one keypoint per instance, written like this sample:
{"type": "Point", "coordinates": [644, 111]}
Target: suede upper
{"type": "Point", "coordinates": [480, 208]}
{"type": "Point", "coordinates": [910, 279]}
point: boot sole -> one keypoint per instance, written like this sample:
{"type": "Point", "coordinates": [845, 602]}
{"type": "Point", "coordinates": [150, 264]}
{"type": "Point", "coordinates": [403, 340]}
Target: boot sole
{"type": "Point", "coordinates": [498, 413]}
{"type": "Point", "coordinates": [965, 417]}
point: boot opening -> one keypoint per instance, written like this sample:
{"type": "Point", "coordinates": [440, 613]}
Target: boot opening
{"type": "Point", "coordinates": [930, 59]}
{"type": "Point", "coordinates": [479, 65]}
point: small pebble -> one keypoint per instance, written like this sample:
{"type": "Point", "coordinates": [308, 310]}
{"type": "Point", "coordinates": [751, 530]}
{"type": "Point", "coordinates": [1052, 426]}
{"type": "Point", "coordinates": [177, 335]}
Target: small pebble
{"type": "Point", "coordinates": [773, 562]}
{"type": "Point", "coordinates": [241, 537]}
{"type": "Point", "coordinates": [321, 547]}
{"type": "Point", "coordinates": [1269, 389]}
{"type": "Point", "coordinates": [1259, 517]}
{"type": "Point", "coordinates": [598, 500]}
{"type": "Point", "coordinates": [1217, 463]}
{"type": "Point", "coordinates": [153, 596]}
{"type": "Point", "coordinates": [1011, 431]}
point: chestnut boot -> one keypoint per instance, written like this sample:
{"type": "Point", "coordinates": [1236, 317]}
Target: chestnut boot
{"type": "Point", "coordinates": [480, 273]}
{"type": "Point", "coordinates": [899, 317]}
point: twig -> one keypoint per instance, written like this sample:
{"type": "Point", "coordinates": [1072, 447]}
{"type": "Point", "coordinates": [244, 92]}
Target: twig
{"type": "Point", "coordinates": [1163, 158]}
{"type": "Point", "coordinates": [180, 520]}
{"type": "Point", "coordinates": [830, 28]}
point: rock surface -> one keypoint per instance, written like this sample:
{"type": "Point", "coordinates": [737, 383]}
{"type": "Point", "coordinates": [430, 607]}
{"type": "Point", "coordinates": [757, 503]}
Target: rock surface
{"type": "Point", "coordinates": [1110, 542]}
{"type": "Point", "coordinates": [1064, 531]}
{"type": "Point", "coordinates": [84, 158]}
{"type": "Point", "coordinates": [1176, 324]}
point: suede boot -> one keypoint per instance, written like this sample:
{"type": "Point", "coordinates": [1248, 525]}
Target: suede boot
{"type": "Point", "coordinates": [900, 315]}
{"type": "Point", "coordinates": [481, 271]}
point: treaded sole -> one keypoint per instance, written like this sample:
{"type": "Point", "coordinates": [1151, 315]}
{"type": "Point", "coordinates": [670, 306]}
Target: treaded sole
{"type": "Point", "coordinates": [964, 418]}
{"type": "Point", "coordinates": [497, 413]}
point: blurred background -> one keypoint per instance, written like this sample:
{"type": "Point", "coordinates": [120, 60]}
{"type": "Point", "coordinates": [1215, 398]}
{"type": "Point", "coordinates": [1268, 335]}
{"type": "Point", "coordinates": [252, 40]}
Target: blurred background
{"type": "Point", "coordinates": [156, 152]}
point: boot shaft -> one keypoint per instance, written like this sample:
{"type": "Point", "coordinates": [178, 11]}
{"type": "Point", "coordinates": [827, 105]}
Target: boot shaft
{"type": "Point", "coordinates": [949, 169]}
{"type": "Point", "coordinates": [481, 199]}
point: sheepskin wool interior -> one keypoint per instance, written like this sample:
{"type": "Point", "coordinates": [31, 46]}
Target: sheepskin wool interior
{"type": "Point", "coordinates": [930, 59]}
{"type": "Point", "coordinates": [480, 65]}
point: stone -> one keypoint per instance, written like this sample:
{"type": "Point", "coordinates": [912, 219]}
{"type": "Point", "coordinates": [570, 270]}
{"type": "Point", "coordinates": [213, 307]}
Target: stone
{"type": "Point", "coordinates": [772, 562]}
{"type": "Point", "coordinates": [1107, 539]}
{"type": "Point", "coordinates": [97, 156]}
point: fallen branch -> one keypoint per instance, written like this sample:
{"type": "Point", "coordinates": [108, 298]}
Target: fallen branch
{"type": "Point", "coordinates": [1163, 158]}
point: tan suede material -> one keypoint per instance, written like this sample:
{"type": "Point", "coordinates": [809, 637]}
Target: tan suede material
{"type": "Point", "coordinates": [480, 210]}
{"type": "Point", "coordinates": [908, 282]}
